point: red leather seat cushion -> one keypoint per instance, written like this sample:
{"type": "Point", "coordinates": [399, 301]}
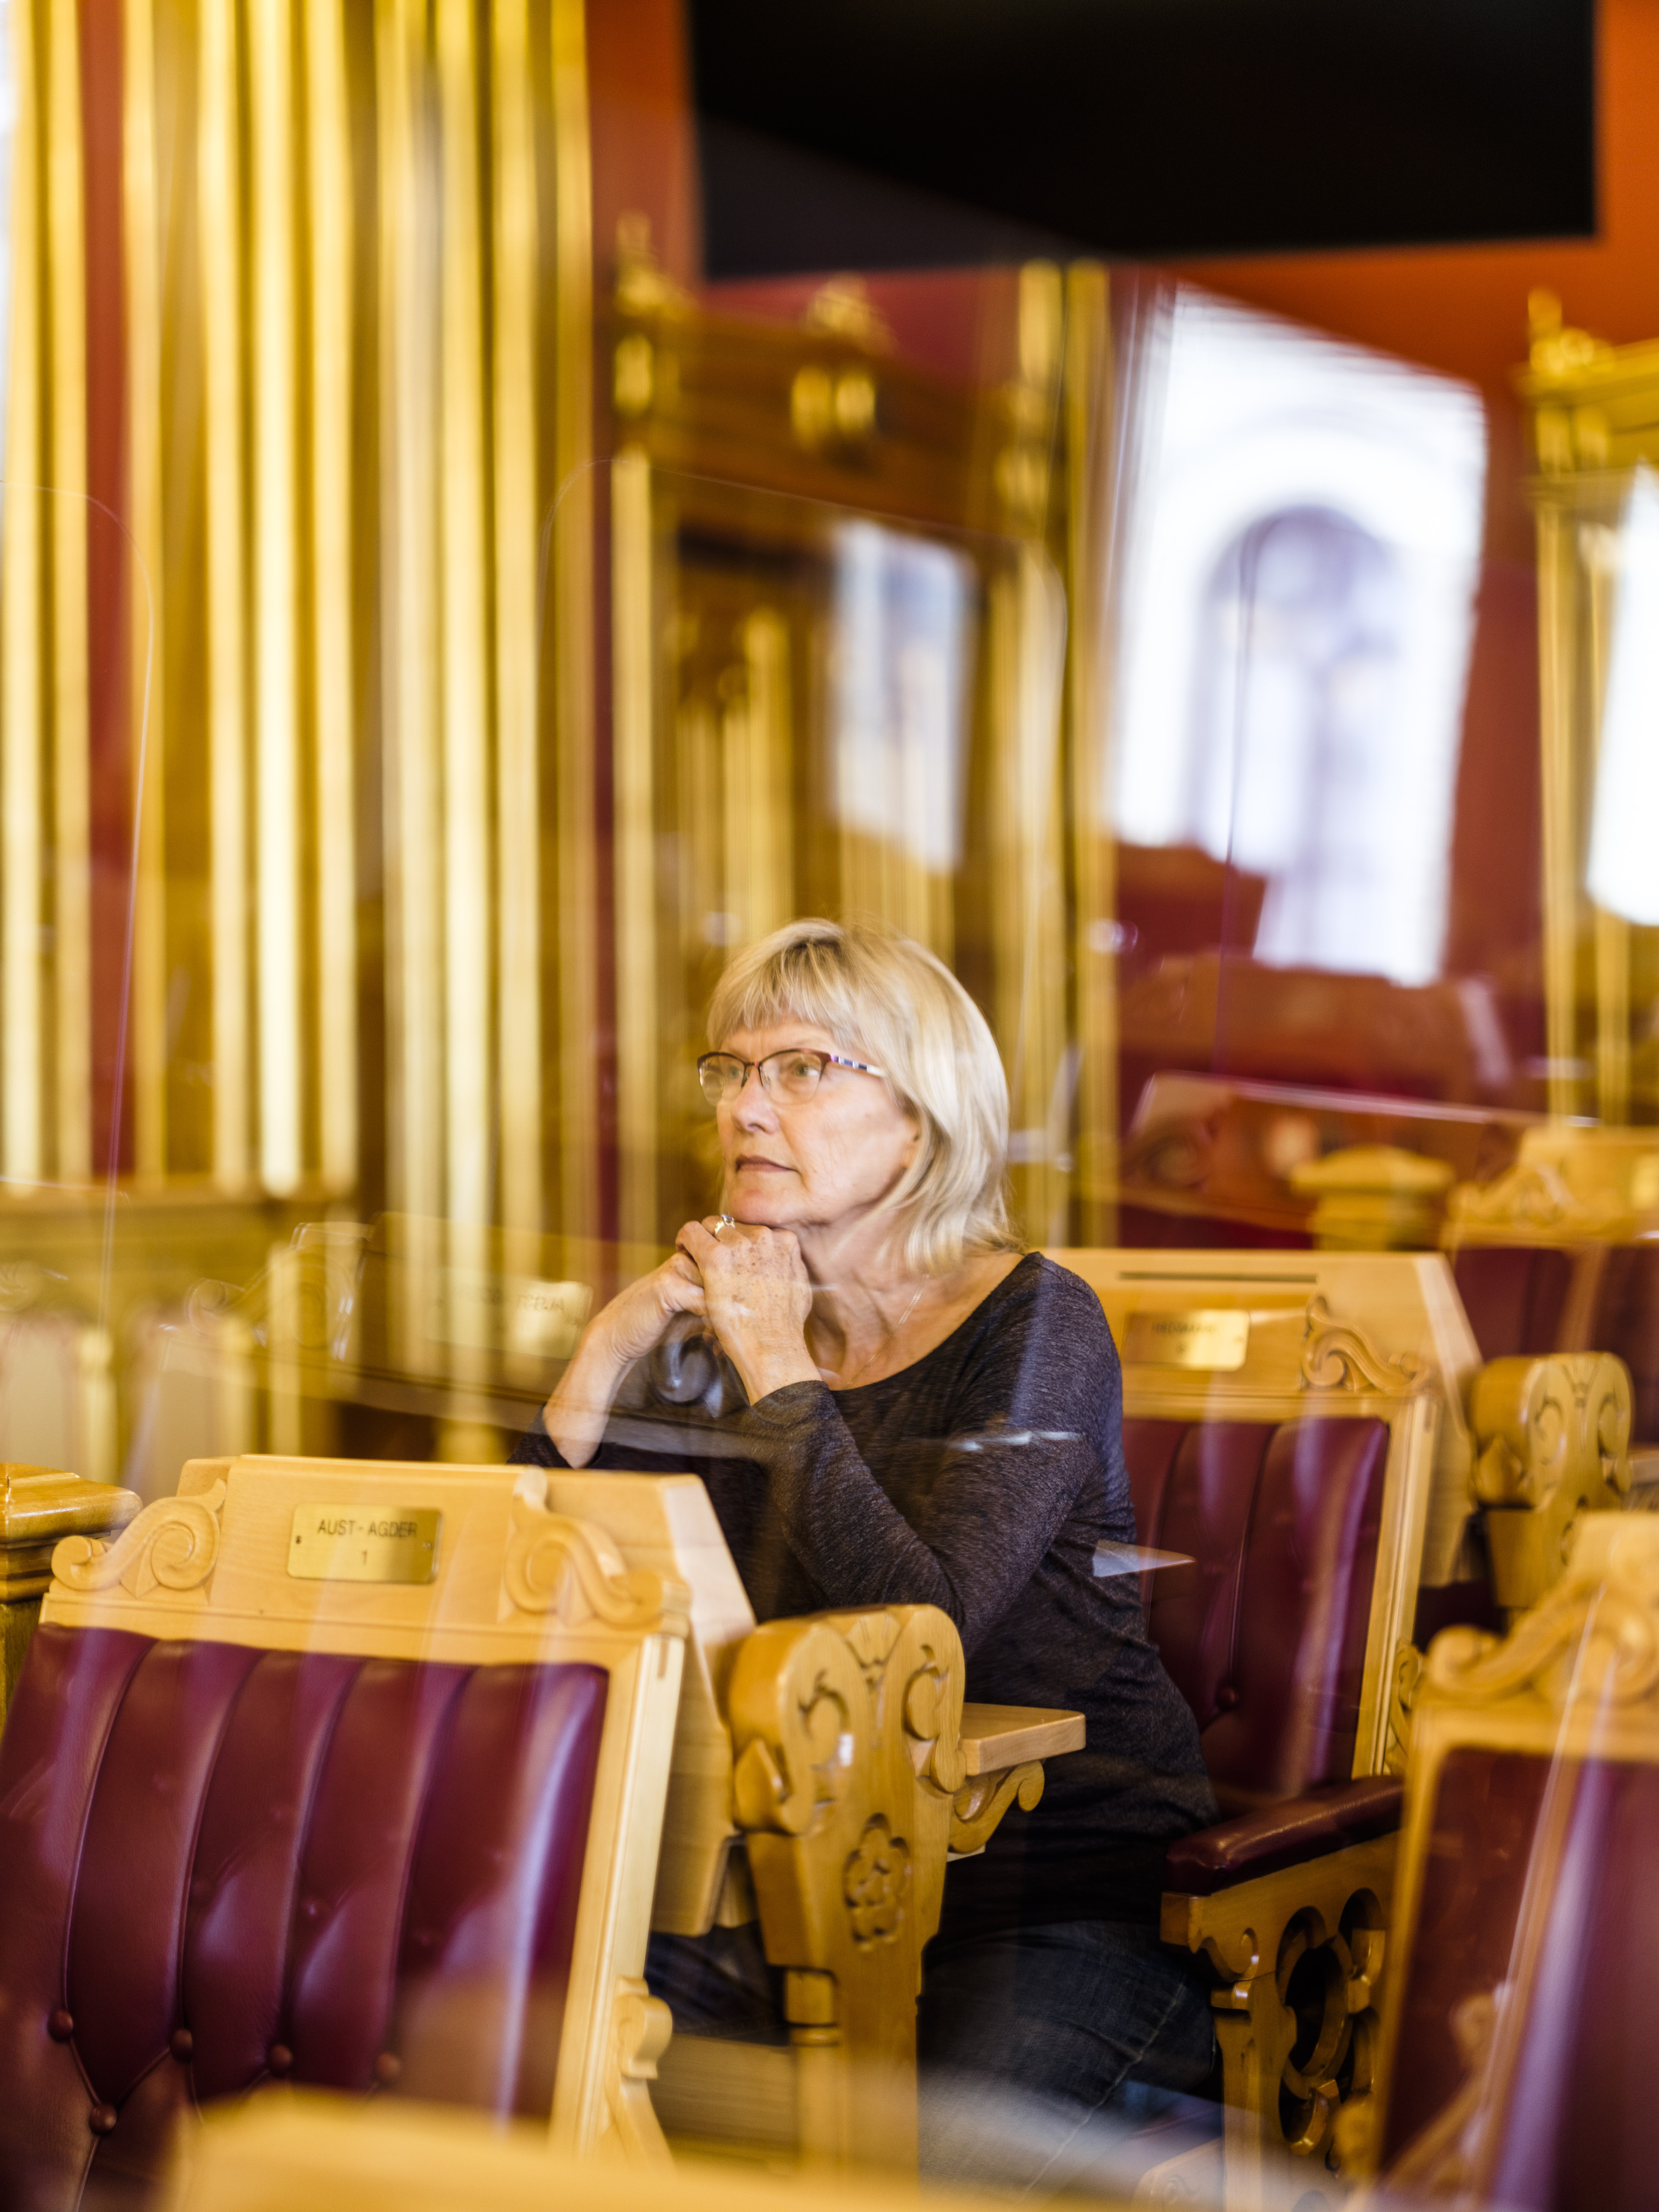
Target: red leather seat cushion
{"type": "Point", "coordinates": [1265, 1633]}
{"type": "Point", "coordinates": [1572, 2117]}
{"type": "Point", "coordinates": [210, 1855]}
{"type": "Point", "coordinates": [1514, 1296]}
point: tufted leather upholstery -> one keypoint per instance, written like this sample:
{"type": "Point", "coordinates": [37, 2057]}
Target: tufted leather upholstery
{"type": "Point", "coordinates": [1265, 1633]}
{"type": "Point", "coordinates": [220, 1863]}
{"type": "Point", "coordinates": [1514, 1295]}
{"type": "Point", "coordinates": [1574, 2131]}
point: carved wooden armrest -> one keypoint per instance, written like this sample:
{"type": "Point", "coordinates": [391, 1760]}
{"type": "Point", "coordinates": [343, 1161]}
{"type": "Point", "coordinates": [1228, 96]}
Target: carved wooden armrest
{"type": "Point", "coordinates": [1003, 1748]}
{"type": "Point", "coordinates": [1283, 1836]}
{"type": "Point", "coordinates": [1299, 1953]}
{"type": "Point", "coordinates": [1553, 1441]}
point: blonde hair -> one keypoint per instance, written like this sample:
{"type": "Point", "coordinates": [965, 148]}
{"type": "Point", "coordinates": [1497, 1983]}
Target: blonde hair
{"type": "Point", "coordinates": [886, 998]}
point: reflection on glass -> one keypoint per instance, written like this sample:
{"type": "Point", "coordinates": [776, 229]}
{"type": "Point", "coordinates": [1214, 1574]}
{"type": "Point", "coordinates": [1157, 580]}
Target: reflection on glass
{"type": "Point", "coordinates": [899, 662]}
{"type": "Point", "coordinates": [1623, 877]}
{"type": "Point", "coordinates": [1298, 579]}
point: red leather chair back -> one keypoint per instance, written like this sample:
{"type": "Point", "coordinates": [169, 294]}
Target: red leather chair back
{"type": "Point", "coordinates": [219, 1863]}
{"type": "Point", "coordinates": [1515, 1295]}
{"type": "Point", "coordinates": [1265, 1632]}
{"type": "Point", "coordinates": [1573, 2120]}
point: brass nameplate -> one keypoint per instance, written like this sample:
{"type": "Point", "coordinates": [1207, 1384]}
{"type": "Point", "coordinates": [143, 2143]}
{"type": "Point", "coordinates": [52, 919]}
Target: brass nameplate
{"type": "Point", "coordinates": [1213, 1338]}
{"type": "Point", "coordinates": [364, 1544]}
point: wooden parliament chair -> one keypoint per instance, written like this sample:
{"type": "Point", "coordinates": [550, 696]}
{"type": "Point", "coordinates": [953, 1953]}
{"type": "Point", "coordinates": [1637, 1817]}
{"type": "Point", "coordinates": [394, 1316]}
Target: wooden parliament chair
{"type": "Point", "coordinates": [344, 1774]}
{"type": "Point", "coordinates": [498, 1662]}
{"type": "Point", "coordinates": [1514, 2065]}
{"type": "Point", "coordinates": [825, 1770]}
{"type": "Point", "coordinates": [1297, 1443]}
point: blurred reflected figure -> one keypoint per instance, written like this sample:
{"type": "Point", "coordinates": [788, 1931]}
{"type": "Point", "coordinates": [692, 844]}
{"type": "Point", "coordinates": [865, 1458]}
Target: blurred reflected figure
{"type": "Point", "coordinates": [891, 1405]}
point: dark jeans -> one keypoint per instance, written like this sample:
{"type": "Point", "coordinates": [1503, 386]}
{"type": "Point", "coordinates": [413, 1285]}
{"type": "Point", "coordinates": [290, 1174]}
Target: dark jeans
{"type": "Point", "coordinates": [1035, 2047]}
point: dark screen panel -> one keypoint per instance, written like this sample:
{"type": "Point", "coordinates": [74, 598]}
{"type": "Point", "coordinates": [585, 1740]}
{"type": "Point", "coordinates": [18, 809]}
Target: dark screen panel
{"type": "Point", "coordinates": [1136, 127]}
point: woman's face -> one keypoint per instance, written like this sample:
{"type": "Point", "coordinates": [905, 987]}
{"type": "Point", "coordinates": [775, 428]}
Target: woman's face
{"type": "Point", "coordinates": [808, 1164]}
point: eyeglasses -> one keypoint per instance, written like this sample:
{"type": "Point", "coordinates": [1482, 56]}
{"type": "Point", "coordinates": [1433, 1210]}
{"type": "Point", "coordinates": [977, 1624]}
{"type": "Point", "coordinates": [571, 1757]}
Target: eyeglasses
{"type": "Point", "coordinates": [788, 1077]}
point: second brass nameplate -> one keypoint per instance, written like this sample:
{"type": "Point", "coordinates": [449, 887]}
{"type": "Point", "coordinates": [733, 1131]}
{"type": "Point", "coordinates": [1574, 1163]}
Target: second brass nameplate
{"type": "Point", "coordinates": [1213, 1338]}
{"type": "Point", "coordinates": [364, 1544]}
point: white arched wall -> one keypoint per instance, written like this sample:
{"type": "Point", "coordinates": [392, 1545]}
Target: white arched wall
{"type": "Point", "coordinates": [1247, 417]}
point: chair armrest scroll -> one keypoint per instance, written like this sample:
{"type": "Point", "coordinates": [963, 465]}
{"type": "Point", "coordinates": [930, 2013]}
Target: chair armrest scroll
{"type": "Point", "coordinates": [1263, 1843]}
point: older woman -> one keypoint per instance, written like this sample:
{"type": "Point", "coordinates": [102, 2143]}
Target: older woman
{"type": "Point", "coordinates": [897, 1407]}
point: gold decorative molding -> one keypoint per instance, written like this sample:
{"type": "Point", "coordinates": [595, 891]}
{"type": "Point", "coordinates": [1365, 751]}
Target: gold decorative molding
{"type": "Point", "coordinates": [1553, 1440]}
{"type": "Point", "coordinates": [1402, 1697]}
{"type": "Point", "coordinates": [1567, 1186]}
{"type": "Point", "coordinates": [1301, 1948]}
{"type": "Point", "coordinates": [978, 1807]}
{"type": "Point", "coordinates": [641, 2026]}
{"type": "Point", "coordinates": [1338, 1356]}
{"type": "Point", "coordinates": [1594, 1638]}
{"type": "Point", "coordinates": [570, 1568]}
{"type": "Point", "coordinates": [846, 1729]}
{"type": "Point", "coordinates": [876, 1884]}
{"type": "Point", "coordinates": [173, 1545]}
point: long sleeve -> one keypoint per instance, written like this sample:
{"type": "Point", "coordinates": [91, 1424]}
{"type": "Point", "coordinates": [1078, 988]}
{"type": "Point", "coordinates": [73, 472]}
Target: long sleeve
{"type": "Point", "coordinates": [1018, 1442]}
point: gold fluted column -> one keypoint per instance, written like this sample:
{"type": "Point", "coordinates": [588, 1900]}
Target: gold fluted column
{"type": "Point", "coordinates": [1026, 647]}
{"type": "Point", "coordinates": [331, 188]}
{"type": "Point", "coordinates": [466, 869]}
{"type": "Point", "coordinates": [219, 217]}
{"type": "Point", "coordinates": [1558, 810]}
{"type": "Point", "coordinates": [408, 339]}
{"type": "Point", "coordinates": [518, 781]}
{"type": "Point", "coordinates": [146, 1044]}
{"type": "Point", "coordinates": [755, 733]}
{"type": "Point", "coordinates": [1089, 452]}
{"type": "Point", "coordinates": [573, 625]}
{"type": "Point", "coordinates": [20, 601]}
{"type": "Point", "coordinates": [65, 519]}
{"type": "Point", "coordinates": [638, 1009]}
{"type": "Point", "coordinates": [276, 590]}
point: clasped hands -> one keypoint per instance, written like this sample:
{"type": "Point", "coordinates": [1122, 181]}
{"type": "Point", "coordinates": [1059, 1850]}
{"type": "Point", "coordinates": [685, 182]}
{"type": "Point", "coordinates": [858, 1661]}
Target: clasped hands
{"type": "Point", "coordinates": [750, 1285]}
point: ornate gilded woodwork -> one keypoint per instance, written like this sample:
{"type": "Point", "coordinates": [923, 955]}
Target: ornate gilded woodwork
{"type": "Point", "coordinates": [39, 1508]}
{"type": "Point", "coordinates": [845, 1731]}
{"type": "Point", "coordinates": [1595, 417]}
{"type": "Point", "coordinates": [1300, 1955]}
{"type": "Point", "coordinates": [1568, 1187]}
{"type": "Point", "coordinates": [1553, 1437]}
{"type": "Point", "coordinates": [1576, 1679]}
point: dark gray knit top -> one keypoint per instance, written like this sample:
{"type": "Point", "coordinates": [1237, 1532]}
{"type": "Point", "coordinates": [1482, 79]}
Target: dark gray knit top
{"type": "Point", "coordinates": [980, 1479]}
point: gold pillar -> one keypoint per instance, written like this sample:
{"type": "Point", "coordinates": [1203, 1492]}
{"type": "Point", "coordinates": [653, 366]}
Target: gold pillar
{"type": "Point", "coordinates": [332, 189]}
{"type": "Point", "coordinates": [518, 781]}
{"type": "Point", "coordinates": [409, 623]}
{"type": "Point", "coordinates": [1088, 504]}
{"type": "Point", "coordinates": [66, 519]}
{"type": "Point", "coordinates": [219, 216]}
{"type": "Point", "coordinates": [754, 734]}
{"type": "Point", "coordinates": [21, 824]}
{"type": "Point", "coordinates": [146, 1044]}
{"type": "Point", "coordinates": [466, 859]}
{"type": "Point", "coordinates": [1026, 641]}
{"type": "Point", "coordinates": [1557, 671]}
{"type": "Point", "coordinates": [276, 590]}
{"type": "Point", "coordinates": [573, 624]}
{"type": "Point", "coordinates": [639, 1012]}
